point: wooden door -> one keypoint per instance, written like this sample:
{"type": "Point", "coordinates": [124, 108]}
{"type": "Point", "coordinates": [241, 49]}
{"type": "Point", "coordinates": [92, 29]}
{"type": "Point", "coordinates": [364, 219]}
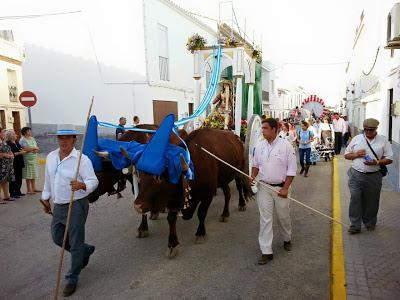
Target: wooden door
{"type": "Point", "coordinates": [17, 123]}
{"type": "Point", "coordinates": [163, 108]}
{"type": "Point", "coordinates": [190, 109]}
{"type": "Point", "coordinates": [3, 119]}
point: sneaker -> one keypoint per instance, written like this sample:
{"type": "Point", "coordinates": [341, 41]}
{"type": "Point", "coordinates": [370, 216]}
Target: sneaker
{"type": "Point", "coordinates": [354, 230]}
{"type": "Point", "coordinates": [287, 246]}
{"type": "Point", "coordinates": [265, 258]}
{"type": "Point", "coordinates": [69, 289]}
{"type": "Point", "coordinates": [87, 256]}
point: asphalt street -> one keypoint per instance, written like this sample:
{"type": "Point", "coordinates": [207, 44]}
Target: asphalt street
{"type": "Point", "coordinates": [125, 267]}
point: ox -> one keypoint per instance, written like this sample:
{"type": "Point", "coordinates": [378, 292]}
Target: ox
{"type": "Point", "coordinates": [109, 176]}
{"type": "Point", "coordinates": [210, 174]}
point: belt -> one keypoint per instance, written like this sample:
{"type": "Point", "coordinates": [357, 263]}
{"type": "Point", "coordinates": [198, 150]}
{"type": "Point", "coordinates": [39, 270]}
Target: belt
{"type": "Point", "coordinates": [274, 184]}
{"type": "Point", "coordinates": [75, 200]}
{"type": "Point", "coordinates": [368, 173]}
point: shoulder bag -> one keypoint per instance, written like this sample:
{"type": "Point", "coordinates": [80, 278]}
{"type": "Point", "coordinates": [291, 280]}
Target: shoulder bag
{"type": "Point", "coordinates": [383, 168]}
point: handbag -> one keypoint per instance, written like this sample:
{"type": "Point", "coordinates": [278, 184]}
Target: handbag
{"type": "Point", "coordinates": [383, 168]}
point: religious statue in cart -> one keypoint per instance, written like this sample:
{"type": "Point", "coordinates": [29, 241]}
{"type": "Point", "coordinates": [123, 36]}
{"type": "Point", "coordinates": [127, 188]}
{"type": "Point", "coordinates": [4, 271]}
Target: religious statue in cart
{"type": "Point", "coordinates": [224, 108]}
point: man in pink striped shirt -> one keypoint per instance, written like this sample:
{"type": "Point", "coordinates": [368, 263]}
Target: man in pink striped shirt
{"type": "Point", "coordinates": [274, 162]}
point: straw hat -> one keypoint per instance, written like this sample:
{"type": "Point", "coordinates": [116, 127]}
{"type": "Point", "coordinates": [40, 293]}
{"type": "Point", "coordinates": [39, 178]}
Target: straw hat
{"type": "Point", "coordinates": [66, 129]}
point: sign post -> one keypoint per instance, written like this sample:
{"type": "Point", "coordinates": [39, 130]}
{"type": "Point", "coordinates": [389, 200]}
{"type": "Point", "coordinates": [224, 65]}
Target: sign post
{"type": "Point", "coordinates": [28, 99]}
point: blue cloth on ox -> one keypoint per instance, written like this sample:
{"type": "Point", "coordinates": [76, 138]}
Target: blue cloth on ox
{"type": "Point", "coordinates": [91, 143]}
{"type": "Point", "coordinates": [154, 157]}
{"type": "Point", "coordinates": [135, 151]}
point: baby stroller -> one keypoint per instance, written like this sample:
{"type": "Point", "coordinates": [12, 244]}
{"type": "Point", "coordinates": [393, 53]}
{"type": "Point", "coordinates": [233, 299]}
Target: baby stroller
{"type": "Point", "coordinates": [326, 150]}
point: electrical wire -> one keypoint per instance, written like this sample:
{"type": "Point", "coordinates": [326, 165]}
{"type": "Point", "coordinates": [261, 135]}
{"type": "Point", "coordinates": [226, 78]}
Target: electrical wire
{"type": "Point", "coordinates": [373, 66]}
{"type": "Point", "coordinates": [39, 15]}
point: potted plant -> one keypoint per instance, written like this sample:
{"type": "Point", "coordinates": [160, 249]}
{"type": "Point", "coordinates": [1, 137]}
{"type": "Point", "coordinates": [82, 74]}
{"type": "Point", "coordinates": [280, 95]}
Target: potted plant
{"type": "Point", "coordinates": [196, 41]}
{"type": "Point", "coordinates": [257, 55]}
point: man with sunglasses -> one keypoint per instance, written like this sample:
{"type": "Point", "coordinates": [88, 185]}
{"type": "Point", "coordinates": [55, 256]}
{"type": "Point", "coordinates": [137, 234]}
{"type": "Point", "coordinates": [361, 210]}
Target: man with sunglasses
{"type": "Point", "coordinates": [369, 152]}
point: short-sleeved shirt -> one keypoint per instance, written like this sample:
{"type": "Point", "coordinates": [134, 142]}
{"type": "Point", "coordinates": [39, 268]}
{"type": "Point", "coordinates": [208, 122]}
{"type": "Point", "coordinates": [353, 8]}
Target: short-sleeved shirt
{"type": "Point", "coordinates": [380, 145]}
{"type": "Point", "coordinates": [305, 135]}
{"type": "Point", "coordinates": [119, 131]}
{"type": "Point", "coordinates": [274, 161]}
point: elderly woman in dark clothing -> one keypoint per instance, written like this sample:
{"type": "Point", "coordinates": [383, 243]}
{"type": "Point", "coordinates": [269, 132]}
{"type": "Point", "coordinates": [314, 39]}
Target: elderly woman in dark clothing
{"type": "Point", "coordinates": [16, 149]}
{"type": "Point", "coordinates": [6, 167]}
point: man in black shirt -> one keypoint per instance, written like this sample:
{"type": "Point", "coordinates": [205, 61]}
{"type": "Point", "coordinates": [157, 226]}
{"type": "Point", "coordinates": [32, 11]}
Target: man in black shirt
{"type": "Point", "coordinates": [120, 130]}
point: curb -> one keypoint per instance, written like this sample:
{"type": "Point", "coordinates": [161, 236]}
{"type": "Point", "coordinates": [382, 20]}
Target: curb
{"type": "Point", "coordinates": [338, 275]}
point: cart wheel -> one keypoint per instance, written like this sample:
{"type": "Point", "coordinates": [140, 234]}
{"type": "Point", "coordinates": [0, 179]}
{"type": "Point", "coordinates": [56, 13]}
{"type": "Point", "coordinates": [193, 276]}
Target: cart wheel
{"type": "Point", "coordinates": [253, 135]}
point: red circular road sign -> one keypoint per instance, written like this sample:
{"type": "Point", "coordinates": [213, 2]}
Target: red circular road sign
{"type": "Point", "coordinates": [27, 98]}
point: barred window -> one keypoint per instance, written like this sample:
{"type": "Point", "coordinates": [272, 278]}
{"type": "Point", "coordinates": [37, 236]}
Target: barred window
{"type": "Point", "coordinates": [164, 71]}
{"type": "Point", "coordinates": [7, 35]}
{"type": "Point", "coordinates": [163, 53]}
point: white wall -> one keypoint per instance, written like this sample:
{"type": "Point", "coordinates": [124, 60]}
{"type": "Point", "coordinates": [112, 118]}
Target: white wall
{"type": "Point", "coordinates": [61, 66]}
{"type": "Point", "coordinates": [12, 51]}
{"type": "Point", "coordinates": [374, 101]}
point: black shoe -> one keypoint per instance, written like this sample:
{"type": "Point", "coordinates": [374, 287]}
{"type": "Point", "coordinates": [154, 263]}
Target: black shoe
{"type": "Point", "coordinates": [302, 170]}
{"type": "Point", "coordinates": [86, 259]}
{"type": "Point", "coordinates": [69, 289]}
{"type": "Point", "coordinates": [265, 258]}
{"type": "Point", "coordinates": [21, 194]}
{"type": "Point", "coordinates": [287, 246]}
{"type": "Point", "coordinates": [353, 230]}
{"type": "Point", "coordinates": [370, 227]}
{"type": "Point", "coordinates": [15, 196]}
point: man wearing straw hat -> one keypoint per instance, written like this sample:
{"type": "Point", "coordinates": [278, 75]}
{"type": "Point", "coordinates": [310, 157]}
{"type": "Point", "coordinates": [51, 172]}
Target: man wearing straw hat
{"type": "Point", "coordinates": [60, 171]}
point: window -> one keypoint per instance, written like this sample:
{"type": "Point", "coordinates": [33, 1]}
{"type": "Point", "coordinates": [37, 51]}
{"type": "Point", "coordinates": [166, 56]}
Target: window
{"type": "Point", "coordinates": [163, 52]}
{"type": "Point", "coordinates": [7, 35]}
{"type": "Point", "coordinates": [12, 85]}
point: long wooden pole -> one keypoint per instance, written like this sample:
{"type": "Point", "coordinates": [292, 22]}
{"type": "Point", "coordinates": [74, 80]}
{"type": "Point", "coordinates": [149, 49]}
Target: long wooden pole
{"type": "Point", "coordinates": [273, 189]}
{"type": "Point", "coordinates": [70, 206]}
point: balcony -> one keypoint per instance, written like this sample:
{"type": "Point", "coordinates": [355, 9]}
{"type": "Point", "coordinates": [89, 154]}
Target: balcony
{"type": "Point", "coordinates": [11, 51]}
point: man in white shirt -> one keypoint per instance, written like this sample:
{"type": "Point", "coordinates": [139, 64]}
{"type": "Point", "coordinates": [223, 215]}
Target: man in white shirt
{"type": "Point", "coordinates": [60, 171]}
{"type": "Point", "coordinates": [274, 161]}
{"type": "Point", "coordinates": [339, 126]}
{"type": "Point", "coordinates": [365, 177]}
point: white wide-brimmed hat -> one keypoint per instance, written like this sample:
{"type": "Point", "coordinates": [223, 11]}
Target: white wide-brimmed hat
{"type": "Point", "coordinates": [66, 129]}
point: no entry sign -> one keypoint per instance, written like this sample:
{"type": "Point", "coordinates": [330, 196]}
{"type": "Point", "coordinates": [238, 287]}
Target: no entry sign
{"type": "Point", "coordinates": [27, 99]}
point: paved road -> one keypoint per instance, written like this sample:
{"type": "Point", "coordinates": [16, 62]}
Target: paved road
{"type": "Point", "coordinates": [124, 267]}
{"type": "Point", "coordinates": [372, 259]}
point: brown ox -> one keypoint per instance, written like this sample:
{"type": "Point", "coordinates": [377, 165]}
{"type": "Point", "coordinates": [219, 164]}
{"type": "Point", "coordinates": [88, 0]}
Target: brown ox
{"type": "Point", "coordinates": [109, 176]}
{"type": "Point", "coordinates": [210, 174]}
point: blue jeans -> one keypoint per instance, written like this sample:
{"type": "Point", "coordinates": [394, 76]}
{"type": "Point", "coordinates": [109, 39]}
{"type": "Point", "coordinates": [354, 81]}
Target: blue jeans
{"type": "Point", "coordinates": [75, 243]}
{"type": "Point", "coordinates": [305, 152]}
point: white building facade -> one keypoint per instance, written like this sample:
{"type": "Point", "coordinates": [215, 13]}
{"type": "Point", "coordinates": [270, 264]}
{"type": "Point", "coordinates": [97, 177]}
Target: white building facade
{"type": "Point", "coordinates": [12, 113]}
{"type": "Point", "coordinates": [287, 98]}
{"type": "Point", "coordinates": [373, 77]}
{"type": "Point", "coordinates": [130, 55]}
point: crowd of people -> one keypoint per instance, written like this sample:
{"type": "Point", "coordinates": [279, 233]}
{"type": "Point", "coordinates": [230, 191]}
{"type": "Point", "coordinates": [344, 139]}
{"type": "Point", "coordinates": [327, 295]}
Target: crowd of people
{"type": "Point", "coordinates": [306, 135]}
{"type": "Point", "coordinates": [18, 161]}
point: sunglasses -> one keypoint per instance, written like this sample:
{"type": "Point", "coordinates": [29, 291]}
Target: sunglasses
{"type": "Point", "coordinates": [369, 129]}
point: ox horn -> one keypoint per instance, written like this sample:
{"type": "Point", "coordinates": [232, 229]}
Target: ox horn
{"type": "Point", "coordinates": [103, 154]}
{"type": "Point", "coordinates": [184, 164]}
{"type": "Point", "coordinates": [125, 153]}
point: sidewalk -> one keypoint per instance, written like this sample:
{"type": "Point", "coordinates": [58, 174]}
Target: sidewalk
{"type": "Point", "coordinates": [372, 258]}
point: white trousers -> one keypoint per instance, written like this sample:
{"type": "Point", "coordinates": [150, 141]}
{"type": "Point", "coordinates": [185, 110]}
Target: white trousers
{"type": "Point", "coordinates": [267, 200]}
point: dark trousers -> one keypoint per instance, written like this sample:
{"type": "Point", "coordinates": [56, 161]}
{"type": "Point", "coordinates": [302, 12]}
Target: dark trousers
{"type": "Point", "coordinates": [15, 186]}
{"type": "Point", "coordinates": [346, 138]}
{"type": "Point", "coordinates": [365, 191]}
{"type": "Point", "coordinates": [75, 243]}
{"type": "Point", "coordinates": [306, 152]}
{"type": "Point", "coordinates": [338, 142]}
